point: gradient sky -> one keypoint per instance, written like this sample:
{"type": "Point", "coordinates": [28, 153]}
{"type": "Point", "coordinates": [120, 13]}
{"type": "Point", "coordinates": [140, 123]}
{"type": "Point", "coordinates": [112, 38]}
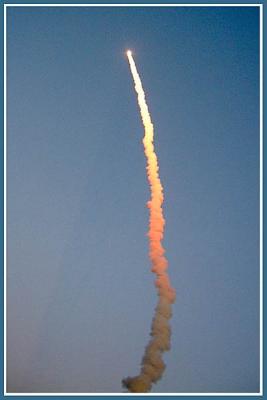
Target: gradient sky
{"type": "Point", "coordinates": [80, 291]}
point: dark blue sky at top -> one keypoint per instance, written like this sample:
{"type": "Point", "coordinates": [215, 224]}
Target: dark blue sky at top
{"type": "Point", "coordinates": [80, 291]}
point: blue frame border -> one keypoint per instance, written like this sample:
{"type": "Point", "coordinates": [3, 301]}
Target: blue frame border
{"type": "Point", "coordinates": [2, 181]}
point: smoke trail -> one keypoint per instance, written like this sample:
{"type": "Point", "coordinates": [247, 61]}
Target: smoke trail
{"type": "Point", "coordinates": [152, 365]}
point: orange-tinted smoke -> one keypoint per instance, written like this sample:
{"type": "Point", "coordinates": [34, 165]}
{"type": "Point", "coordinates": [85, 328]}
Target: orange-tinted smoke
{"type": "Point", "coordinates": [152, 365]}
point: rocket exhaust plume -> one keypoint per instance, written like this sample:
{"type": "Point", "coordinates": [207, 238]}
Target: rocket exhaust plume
{"type": "Point", "coordinates": [152, 365]}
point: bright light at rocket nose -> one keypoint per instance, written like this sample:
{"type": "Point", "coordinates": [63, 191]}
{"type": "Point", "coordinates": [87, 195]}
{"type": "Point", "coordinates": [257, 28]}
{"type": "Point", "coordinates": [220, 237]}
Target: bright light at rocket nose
{"type": "Point", "coordinates": [129, 53]}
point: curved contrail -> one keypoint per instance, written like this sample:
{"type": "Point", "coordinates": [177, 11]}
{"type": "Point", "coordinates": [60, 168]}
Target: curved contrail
{"type": "Point", "coordinates": [152, 365]}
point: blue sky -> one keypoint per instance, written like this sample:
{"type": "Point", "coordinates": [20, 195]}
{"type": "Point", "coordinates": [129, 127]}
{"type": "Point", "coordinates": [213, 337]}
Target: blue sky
{"type": "Point", "coordinates": [80, 291]}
